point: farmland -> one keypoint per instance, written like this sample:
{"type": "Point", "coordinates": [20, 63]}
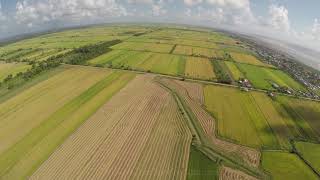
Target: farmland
{"type": "Point", "coordinates": [11, 69]}
{"type": "Point", "coordinates": [264, 77]}
{"type": "Point", "coordinates": [199, 68]}
{"type": "Point", "coordinates": [150, 102]}
{"type": "Point", "coordinates": [132, 107]}
{"type": "Point", "coordinates": [283, 165]}
{"type": "Point", "coordinates": [308, 151]}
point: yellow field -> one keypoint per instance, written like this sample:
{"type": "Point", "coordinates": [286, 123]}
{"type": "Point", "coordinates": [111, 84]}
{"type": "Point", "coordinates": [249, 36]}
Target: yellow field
{"type": "Point", "coordinates": [12, 68]}
{"type": "Point", "coordinates": [27, 110]}
{"type": "Point", "coordinates": [195, 51]}
{"type": "Point", "coordinates": [236, 73]}
{"type": "Point", "coordinates": [138, 134]}
{"type": "Point", "coordinates": [199, 68]}
{"type": "Point", "coordinates": [246, 58]}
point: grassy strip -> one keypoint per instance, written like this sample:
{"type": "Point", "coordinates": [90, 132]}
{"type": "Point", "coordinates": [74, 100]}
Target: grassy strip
{"type": "Point", "coordinates": [200, 166]}
{"type": "Point", "coordinates": [182, 65]}
{"type": "Point", "coordinates": [23, 158]}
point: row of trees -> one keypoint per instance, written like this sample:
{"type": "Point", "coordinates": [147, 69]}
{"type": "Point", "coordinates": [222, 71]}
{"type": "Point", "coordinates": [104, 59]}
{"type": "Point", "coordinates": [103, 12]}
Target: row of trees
{"type": "Point", "coordinates": [222, 75]}
{"type": "Point", "coordinates": [83, 54]}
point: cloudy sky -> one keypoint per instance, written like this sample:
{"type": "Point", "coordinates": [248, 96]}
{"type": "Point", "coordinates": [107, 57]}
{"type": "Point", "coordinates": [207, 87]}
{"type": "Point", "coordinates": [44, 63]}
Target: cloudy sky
{"type": "Point", "coordinates": [292, 20]}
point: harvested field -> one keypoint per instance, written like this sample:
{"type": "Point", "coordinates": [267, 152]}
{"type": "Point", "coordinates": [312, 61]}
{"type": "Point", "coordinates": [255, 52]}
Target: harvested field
{"type": "Point", "coordinates": [195, 90]}
{"type": "Point", "coordinates": [207, 125]}
{"type": "Point", "coordinates": [310, 153]}
{"type": "Point", "coordinates": [282, 165]}
{"type": "Point", "coordinates": [21, 159]}
{"type": "Point", "coordinates": [130, 125]}
{"type": "Point", "coordinates": [199, 68]}
{"type": "Point", "coordinates": [227, 173]}
{"type": "Point", "coordinates": [23, 112]}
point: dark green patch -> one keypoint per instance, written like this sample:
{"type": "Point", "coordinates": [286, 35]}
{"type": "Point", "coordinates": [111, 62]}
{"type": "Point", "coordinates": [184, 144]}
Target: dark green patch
{"type": "Point", "coordinates": [201, 167]}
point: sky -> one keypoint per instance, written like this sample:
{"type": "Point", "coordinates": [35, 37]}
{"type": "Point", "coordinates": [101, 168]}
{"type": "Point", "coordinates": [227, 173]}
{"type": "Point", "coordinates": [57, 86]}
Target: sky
{"type": "Point", "coordinates": [294, 21]}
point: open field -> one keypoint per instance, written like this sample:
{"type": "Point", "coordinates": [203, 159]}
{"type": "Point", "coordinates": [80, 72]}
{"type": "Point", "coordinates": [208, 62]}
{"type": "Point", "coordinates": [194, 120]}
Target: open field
{"type": "Point", "coordinates": [143, 126]}
{"type": "Point", "coordinates": [195, 51]}
{"type": "Point", "coordinates": [200, 167]}
{"type": "Point", "coordinates": [12, 68]}
{"type": "Point", "coordinates": [248, 59]}
{"type": "Point", "coordinates": [150, 47]}
{"type": "Point", "coordinates": [282, 165]}
{"type": "Point", "coordinates": [204, 124]}
{"type": "Point", "coordinates": [157, 102]}
{"type": "Point", "coordinates": [238, 118]}
{"type": "Point", "coordinates": [236, 73]}
{"type": "Point", "coordinates": [199, 68]}
{"type": "Point", "coordinates": [23, 152]}
{"type": "Point", "coordinates": [305, 114]}
{"type": "Point", "coordinates": [264, 77]}
{"type": "Point", "coordinates": [227, 173]}
{"type": "Point", "coordinates": [309, 152]}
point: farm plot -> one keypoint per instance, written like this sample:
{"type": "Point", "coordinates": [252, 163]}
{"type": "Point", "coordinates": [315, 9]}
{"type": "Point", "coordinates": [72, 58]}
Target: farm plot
{"type": "Point", "coordinates": [236, 73]}
{"type": "Point", "coordinates": [201, 167]}
{"type": "Point", "coordinates": [38, 137]}
{"type": "Point", "coordinates": [205, 125]}
{"type": "Point", "coordinates": [305, 114]}
{"type": "Point", "coordinates": [12, 68]}
{"type": "Point", "coordinates": [142, 123]}
{"type": "Point", "coordinates": [282, 165]}
{"type": "Point", "coordinates": [164, 64]}
{"type": "Point", "coordinates": [310, 153]}
{"type": "Point", "coordinates": [246, 58]}
{"type": "Point", "coordinates": [282, 125]}
{"type": "Point", "coordinates": [264, 77]}
{"type": "Point", "coordinates": [196, 43]}
{"type": "Point", "coordinates": [227, 173]}
{"type": "Point", "coordinates": [238, 117]}
{"type": "Point", "coordinates": [195, 51]}
{"type": "Point", "coordinates": [149, 47]}
{"type": "Point", "coordinates": [199, 68]}
{"type": "Point", "coordinates": [122, 59]}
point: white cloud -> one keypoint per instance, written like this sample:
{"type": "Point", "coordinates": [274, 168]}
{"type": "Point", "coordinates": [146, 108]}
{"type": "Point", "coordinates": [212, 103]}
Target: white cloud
{"type": "Point", "coordinates": [240, 4]}
{"type": "Point", "coordinates": [279, 19]}
{"type": "Point", "coordinates": [39, 11]}
{"type": "Point", "coordinates": [158, 8]}
{"type": "Point", "coordinates": [316, 29]}
{"type": "Point", "coordinates": [140, 1]}
{"type": "Point", "coordinates": [2, 16]}
{"type": "Point", "coordinates": [192, 2]}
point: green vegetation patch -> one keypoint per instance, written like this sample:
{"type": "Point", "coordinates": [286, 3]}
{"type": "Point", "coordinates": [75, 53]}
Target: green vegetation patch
{"type": "Point", "coordinates": [221, 72]}
{"type": "Point", "coordinates": [238, 118]}
{"type": "Point", "coordinates": [310, 153]}
{"type": "Point", "coordinates": [282, 165]}
{"type": "Point", "coordinates": [264, 77]}
{"type": "Point", "coordinates": [20, 160]}
{"type": "Point", "coordinates": [305, 114]}
{"type": "Point", "coordinates": [236, 73]}
{"type": "Point", "coordinates": [201, 167]}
